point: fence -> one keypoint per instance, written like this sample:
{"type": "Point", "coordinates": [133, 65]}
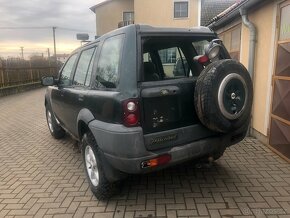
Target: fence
{"type": "Point", "coordinates": [21, 76]}
{"type": "Point", "coordinates": [16, 76]}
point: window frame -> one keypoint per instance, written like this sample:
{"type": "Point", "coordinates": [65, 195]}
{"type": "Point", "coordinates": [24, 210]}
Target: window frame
{"type": "Point", "coordinates": [174, 6]}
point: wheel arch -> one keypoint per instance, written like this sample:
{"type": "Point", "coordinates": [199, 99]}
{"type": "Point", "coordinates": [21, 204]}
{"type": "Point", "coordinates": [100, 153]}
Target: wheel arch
{"type": "Point", "coordinates": [84, 118]}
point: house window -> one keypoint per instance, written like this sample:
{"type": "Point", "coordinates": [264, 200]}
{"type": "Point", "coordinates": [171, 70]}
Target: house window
{"type": "Point", "coordinates": [232, 41]}
{"type": "Point", "coordinates": [180, 9]}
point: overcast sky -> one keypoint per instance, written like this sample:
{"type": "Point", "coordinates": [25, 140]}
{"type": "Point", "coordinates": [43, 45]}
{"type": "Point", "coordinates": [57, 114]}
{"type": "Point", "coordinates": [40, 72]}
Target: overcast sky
{"type": "Point", "coordinates": [64, 14]}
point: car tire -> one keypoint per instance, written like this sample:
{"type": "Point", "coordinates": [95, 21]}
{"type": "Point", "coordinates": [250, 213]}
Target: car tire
{"type": "Point", "coordinates": [99, 184]}
{"type": "Point", "coordinates": [223, 96]}
{"type": "Point", "coordinates": [55, 129]}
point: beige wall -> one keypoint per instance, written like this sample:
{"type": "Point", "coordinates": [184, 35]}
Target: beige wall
{"type": "Point", "coordinates": [151, 12]}
{"type": "Point", "coordinates": [110, 14]}
{"type": "Point", "coordinates": [264, 20]}
{"type": "Point", "coordinates": [161, 13]}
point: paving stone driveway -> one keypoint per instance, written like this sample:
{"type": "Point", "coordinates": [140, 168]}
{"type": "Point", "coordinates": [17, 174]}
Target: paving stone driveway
{"type": "Point", "coordinates": [43, 177]}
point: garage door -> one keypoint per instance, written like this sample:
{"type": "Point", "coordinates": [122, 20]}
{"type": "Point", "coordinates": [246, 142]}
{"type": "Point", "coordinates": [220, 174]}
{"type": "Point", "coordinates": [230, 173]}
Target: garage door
{"type": "Point", "coordinates": [280, 117]}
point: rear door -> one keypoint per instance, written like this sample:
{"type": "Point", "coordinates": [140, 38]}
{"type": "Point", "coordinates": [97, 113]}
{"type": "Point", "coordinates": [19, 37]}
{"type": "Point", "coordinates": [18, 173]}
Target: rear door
{"type": "Point", "coordinates": [167, 95]}
{"type": "Point", "coordinates": [167, 92]}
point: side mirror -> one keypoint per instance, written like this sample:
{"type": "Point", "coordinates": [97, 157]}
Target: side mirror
{"type": "Point", "coordinates": [48, 81]}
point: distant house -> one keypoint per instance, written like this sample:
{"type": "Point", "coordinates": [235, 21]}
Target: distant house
{"type": "Point", "coordinates": [257, 32]}
{"type": "Point", "coordinates": [112, 14]}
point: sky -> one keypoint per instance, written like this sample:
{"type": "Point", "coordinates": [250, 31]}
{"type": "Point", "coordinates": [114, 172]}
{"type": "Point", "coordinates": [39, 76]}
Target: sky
{"type": "Point", "coordinates": [69, 16]}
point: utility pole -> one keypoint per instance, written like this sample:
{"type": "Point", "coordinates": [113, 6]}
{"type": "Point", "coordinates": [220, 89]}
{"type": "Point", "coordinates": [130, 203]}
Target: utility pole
{"type": "Point", "coordinates": [22, 55]}
{"type": "Point", "coordinates": [48, 53]}
{"type": "Point", "coordinates": [48, 58]}
{"type": "Point", "coordinates": [54, 45]}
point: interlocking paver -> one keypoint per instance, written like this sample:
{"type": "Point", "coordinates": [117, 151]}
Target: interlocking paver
{"type": "Point", "coordinates": [43, 177]}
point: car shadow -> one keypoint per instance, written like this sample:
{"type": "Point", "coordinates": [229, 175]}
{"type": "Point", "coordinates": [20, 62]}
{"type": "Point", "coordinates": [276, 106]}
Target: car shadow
{"type": "Point", "coordinates": [190, 179]}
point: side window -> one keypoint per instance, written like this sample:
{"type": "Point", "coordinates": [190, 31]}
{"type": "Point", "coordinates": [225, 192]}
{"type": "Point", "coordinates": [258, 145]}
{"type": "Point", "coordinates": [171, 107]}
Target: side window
{"type": "Point", "coordinates": [64, 78]}
{"type": "Point", "coordinates": [83, 67]}
{"type": "Point", "coordinates": [108, 65]}
{"type": "Point", "coordinates": [174, 62]}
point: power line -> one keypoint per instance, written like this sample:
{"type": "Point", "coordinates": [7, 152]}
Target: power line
{"type": "Point", "coordinates": [62, 28]}
{"type": "Point", "coordinates": [18, 28]}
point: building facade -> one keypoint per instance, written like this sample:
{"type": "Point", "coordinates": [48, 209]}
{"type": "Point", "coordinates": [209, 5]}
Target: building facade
{"type": "Point", "coordinates": [112, 14]}
{"type": "Point", "coordinates": [270, 35]}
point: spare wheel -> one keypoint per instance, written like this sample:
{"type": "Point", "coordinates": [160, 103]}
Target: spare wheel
{"type": "Point", "coordinates": [223, 96]}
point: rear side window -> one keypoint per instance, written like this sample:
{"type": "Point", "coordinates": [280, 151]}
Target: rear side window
{"type": "Point", "coordinates": [67, 70]}
{"type": "Point", "coordinates": [109, 62]}
{"type": "Point", "coordinates": [84, 68]}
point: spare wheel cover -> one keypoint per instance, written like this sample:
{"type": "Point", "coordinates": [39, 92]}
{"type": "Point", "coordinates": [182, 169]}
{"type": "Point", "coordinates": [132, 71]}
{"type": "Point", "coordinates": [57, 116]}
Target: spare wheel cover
{"type": "Point", "coordinates": [232, 96]}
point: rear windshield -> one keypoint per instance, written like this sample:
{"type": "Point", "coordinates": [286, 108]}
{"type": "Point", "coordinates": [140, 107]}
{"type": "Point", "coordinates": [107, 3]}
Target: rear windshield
{"type": "Point", "coordinates": [171, 57]}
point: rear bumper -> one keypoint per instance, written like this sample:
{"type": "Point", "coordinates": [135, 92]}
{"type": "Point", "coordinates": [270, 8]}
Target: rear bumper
{"type": "Point", "coordinates": [124, 148]}
{"type": "Point", "coordinates": [178, 154]}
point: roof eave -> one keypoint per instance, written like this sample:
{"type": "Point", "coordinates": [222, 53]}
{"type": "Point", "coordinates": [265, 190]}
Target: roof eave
{"type": "Point", "coordinates": [93, 8]}
{"type": "Point", "coordinates": [233, 14]}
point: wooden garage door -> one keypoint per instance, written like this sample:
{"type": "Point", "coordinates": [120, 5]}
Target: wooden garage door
{"type": "Point", "coordinates": [280, 117]}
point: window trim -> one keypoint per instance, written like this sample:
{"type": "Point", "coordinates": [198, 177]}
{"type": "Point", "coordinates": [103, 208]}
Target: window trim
{"type": "Point", "coordinates": [188, 7]}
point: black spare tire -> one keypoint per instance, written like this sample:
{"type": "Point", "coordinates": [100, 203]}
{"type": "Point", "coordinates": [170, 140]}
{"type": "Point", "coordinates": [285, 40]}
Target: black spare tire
{"type": "Point", "coordinates": [223, 96]}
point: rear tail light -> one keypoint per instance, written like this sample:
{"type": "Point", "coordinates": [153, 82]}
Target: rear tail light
{"type": "Point", "coordinates": [203, 59]}
{"type": "Point", "coordinates": [161, 160]}
{"type": "Point", "coordinates": [131, 113]}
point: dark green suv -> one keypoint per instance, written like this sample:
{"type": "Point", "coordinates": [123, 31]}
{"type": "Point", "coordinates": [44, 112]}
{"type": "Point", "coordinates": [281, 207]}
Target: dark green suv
{"type": "Point", "coordinates": [123, 100]}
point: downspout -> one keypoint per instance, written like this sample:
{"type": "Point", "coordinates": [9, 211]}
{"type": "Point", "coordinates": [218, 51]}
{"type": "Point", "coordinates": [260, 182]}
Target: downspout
{"type": "Point", "coordinates": [253, 36]}
{"type": "Point", "coordinates": [252, 50]}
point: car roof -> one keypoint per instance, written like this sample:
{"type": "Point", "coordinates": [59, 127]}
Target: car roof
{"type": "Point", "coordinates": [147, 30]}
{"type": "Point", "coordinates": [151, 29]}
